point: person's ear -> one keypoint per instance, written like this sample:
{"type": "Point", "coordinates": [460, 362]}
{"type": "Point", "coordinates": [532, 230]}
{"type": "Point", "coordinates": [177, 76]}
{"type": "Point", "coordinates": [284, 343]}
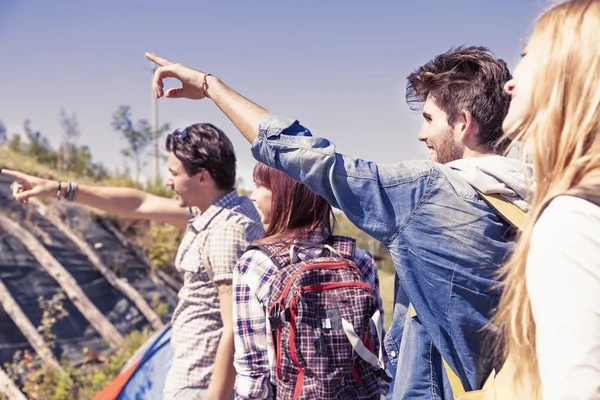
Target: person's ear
{"type": "Point", "coordinates": [202, 175]}
{"type": "Point", "coordinates": [467, 126]}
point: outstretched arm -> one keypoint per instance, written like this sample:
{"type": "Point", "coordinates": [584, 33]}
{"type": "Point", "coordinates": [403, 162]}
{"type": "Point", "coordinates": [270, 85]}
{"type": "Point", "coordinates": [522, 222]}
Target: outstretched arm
{"type": "Point", "coordinates": [378, 199]}
{"type": "Point", "coordinates": [244, 114]}
{"type": "Point", "coordinates": [127, 202]}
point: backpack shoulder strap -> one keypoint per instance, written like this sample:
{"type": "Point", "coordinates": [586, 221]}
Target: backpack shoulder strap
{"type": "Point", "coordinates": [276, 252]}
{"type": "Point", "coordinates": [344, 246]}
{"type": "Point", "coordinates": [582, 194]}
{"type": "Point", "coordinates": [592, 198]}
{"type": "Point", "coordinates": [508, 211]}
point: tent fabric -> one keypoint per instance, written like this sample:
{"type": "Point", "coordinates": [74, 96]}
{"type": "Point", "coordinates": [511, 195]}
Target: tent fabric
{"type": "Point", "coordinates": [143, 377]}
{"type": "Point", "coordinates": [112, 390]}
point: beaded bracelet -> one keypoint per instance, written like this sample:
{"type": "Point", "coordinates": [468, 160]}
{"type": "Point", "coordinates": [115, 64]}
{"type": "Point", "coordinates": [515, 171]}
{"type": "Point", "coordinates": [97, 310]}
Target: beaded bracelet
{"type": "Point", "coordinates": [68, 191]}
{"type": "Point", "coordinates": [73, 191]}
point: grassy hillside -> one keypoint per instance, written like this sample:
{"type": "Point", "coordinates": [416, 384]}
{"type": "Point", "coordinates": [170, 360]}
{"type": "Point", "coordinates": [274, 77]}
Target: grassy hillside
{"type": "Point", "coordinates": [160, 241]}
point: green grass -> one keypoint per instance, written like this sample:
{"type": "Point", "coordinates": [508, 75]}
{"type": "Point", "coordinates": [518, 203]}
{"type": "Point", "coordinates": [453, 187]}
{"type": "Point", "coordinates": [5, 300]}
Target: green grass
{"type": "Point", "coordinates": [386, 288]}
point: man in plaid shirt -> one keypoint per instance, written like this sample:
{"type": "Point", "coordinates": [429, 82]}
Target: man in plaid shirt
{"type": "Point", "coordinates": [217, 235]}
{"type": "Point", "coordinates": [254, 352]}
{"type": "Point", "coordinates": [219, 225]}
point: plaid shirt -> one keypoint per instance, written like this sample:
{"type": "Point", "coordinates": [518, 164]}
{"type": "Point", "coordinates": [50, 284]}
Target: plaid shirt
{"type": "Point", "coordinates": [219, 236]}
{"type": "Point", "coordinates": [254, 354]}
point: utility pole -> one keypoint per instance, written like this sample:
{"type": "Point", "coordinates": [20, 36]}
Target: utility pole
{"type": "Point", "coordinates": [154, 103]}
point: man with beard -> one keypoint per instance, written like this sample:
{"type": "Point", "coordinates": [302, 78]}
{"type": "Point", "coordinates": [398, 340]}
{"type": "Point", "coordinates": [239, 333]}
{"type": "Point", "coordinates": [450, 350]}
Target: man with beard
{"type": "Point", "coordinates": [219, 226]}
{"type": "Point", "coordinates": [446, 241]}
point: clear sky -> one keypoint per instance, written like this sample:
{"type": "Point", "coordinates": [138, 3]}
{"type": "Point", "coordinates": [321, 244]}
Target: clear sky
{"type": "Point", "coordinates": [337, 66]}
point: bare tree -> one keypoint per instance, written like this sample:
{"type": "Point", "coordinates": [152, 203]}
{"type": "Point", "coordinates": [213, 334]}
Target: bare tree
{"type": "Point", "coordinates": [67, 156]}
{"type": "Point", "coordinates": [138, 137]}
{"type": "Point", "coordinates": [3, 136]}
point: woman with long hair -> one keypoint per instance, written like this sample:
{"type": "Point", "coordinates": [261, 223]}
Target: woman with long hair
{"type": "Point", "coordinates": [299, 230]}
{"type": "Point", "coordinates": [550, 309]}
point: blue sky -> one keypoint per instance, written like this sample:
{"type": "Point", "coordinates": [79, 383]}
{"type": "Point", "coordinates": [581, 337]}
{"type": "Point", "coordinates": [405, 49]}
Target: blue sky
{"type": "Point", "coordinates": [337, 66]}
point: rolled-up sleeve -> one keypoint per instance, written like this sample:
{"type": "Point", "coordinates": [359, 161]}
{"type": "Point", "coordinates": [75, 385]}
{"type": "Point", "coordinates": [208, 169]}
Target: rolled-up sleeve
{"type": "Point", "coordinates": [226, 244]}
{"type": "Point", "coordinates": [377, 198]}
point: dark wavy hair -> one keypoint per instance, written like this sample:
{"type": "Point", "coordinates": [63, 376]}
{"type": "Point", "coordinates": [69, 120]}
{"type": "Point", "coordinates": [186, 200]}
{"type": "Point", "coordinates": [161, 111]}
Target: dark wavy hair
{"type": "Point", "coordinates": [465, 78]}
{"type": "Point", "coordinates": [294, 207]}
{"type": "Point", "coordinates": [204, 147]}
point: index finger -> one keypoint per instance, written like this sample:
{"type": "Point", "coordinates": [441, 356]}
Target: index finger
{"type": "Point", "coordinates": [158, 60]}
{"type": "Point", "coordinates": [13, 174]}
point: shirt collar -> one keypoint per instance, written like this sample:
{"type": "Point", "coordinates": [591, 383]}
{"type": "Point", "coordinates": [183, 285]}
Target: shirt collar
{"type": "Point", "coordinates": [318, 235]}
{"type": "Point", "coordinates": [227, 201]}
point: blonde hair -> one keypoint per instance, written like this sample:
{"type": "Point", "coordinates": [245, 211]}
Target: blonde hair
{"type": "Point", "coordinates": [561, 135]}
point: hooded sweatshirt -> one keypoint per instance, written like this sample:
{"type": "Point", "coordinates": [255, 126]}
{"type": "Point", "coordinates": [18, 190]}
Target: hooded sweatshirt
{"type": "Point", "coordinates": [498, 175]}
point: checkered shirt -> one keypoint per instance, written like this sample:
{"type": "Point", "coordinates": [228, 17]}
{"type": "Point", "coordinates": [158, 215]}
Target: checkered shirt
{"type": "Point", "coordinates": [220, 235]}
{"type": "Point", "coordinates": [254, 353]}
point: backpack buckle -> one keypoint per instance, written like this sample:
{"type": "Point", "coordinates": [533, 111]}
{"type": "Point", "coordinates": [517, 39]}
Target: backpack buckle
{"type": "Point", "coordinates": [384, 375]}
{"type": "Point", "coordinates": [275, 322]}
{"type": "Point", "coordinates": [275, 318]}
{"type": "Point", "coordinates": [278, 317]}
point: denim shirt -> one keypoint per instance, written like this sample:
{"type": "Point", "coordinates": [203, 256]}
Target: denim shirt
{"type": "Point", "coordinates": [445, 242]}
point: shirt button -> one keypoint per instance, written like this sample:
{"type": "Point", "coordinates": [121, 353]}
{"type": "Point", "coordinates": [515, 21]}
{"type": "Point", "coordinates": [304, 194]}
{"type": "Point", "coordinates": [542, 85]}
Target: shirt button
{"type": "Point", "coordinates": [393, 353]}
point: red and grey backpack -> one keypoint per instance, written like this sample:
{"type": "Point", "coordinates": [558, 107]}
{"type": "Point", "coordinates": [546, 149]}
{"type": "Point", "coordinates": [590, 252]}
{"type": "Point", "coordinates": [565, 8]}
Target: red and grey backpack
{"type": "Point", "coordinates": [320, 312]}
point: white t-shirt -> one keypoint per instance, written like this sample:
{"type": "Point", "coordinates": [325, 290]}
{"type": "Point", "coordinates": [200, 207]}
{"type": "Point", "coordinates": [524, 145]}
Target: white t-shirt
{"type": "Point", "coordinates": [563, 280]}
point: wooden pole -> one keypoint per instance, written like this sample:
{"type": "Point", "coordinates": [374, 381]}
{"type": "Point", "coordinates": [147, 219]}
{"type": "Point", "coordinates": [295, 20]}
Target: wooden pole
{"type": "Point", "coordinates": [157, 276]}
{"type": "Point", "coordinates": [156, 175]}
{"type": "Point", "coordinates": [29, 331]}
{"type": "Point", "coordinates": [8, 387]}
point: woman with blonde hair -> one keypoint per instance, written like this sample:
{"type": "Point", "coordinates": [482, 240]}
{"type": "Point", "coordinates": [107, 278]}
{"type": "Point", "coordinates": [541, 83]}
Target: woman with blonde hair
{"type": "Point", "coordinates": [550, 309]}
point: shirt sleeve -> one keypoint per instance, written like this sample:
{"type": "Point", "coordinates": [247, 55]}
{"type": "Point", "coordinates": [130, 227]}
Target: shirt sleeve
{"type": "Point", "coordinates": [563, 281]}
{"type": "Point", "coordinates": [377, 198]}
{"type": "Point", "coordinates": [251, 357]}
{"type": "Point", "coordinates": [225, 245]}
